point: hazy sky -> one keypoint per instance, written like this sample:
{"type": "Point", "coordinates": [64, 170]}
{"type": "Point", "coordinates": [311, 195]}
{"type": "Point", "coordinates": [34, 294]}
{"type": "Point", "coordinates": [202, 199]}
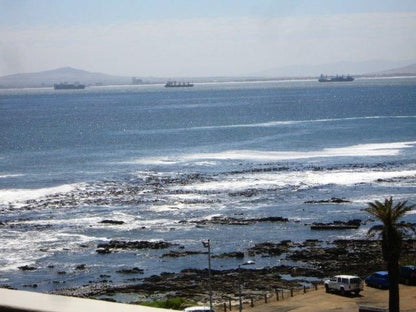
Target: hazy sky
{"type": "Point", "coordinates": [201, 38]}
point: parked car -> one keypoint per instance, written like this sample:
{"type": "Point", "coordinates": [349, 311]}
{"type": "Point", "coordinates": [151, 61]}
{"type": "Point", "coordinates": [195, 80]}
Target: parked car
{"type": "Point", "coordinates": [408, 274]}
{"type": "Point", "coordinates": [198, 309]}
{"type": "Point", "coordinates": [344, 284]}
{"type": "Point", "coordinates": [378, 279]}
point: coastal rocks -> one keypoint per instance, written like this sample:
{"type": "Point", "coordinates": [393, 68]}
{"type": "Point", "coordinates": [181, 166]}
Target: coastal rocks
{"type": "Point", "coordinates": [131, 271]}
{"type": "Point", "coordinates": [337, 225]}
{"type": "Point", "coordinates": [112, 222]}
{"type": "Point", "coordinates": [333, 200]}
{"type": "Point", "coordinates": [27, 268]}
{"type": "Point", "coordinates": [105, 248]}
{"type": "Point", "coordinates": [177, 254]}
{"type": "Point", "coordinates": [313, 260]}
{"type": "Point", "coordinates": [235, 254]}
{"type": "Point", "coordinates": [269, 249]}
{"type": "Point", "coordinates": [357, 257]}
{"type": "Point", "coordinates": [223, 220]}
{"type": "Point", "coordinates": [81, 267]}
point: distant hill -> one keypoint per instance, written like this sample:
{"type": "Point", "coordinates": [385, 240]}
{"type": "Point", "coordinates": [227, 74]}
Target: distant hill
{"type": "Point", "coordinates": [340, 68]}
{"type": "Point", "coordinates": [401, 71]}
{"type": "Point", "coordinates": [65, 74]}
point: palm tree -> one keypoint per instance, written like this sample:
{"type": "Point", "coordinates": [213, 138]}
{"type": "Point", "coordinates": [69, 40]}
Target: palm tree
{"type": "Point", "coordinates": [391, 233]}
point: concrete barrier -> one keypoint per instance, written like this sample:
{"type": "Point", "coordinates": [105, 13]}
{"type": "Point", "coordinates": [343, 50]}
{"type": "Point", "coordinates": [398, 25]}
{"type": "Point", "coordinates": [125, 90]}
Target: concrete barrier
{"type": "Point", "coordinates": [25, 301]}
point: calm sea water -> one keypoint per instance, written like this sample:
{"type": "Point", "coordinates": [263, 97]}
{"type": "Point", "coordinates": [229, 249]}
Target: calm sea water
{"type": "Point", "coordinates": [155, 157]}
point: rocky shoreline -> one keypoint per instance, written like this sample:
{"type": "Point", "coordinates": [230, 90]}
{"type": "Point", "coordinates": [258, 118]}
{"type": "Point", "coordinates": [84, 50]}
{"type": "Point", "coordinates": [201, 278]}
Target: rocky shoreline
{"type": "Point", "coordinates": [313, 260]}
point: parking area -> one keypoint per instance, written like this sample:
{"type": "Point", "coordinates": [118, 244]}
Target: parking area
{"type": "Point", "coordinates": [319, 301]}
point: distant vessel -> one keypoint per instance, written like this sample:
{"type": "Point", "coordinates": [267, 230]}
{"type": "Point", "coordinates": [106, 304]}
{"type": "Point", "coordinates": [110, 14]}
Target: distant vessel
{"type": "Point", "coordinates": [174, 84]}
{"type": "Point", "coordinates": [324, 78]}
{"type": "Point", "coordinates": [68, 86]}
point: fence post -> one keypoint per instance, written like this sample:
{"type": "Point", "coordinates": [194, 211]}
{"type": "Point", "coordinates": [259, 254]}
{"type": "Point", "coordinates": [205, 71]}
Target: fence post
{"type": "Point", "coordinates": [229, 304]}
{"type": "Point", "coordinates": [252, 302]}
{"type": "Point", "coordinates": [304, 289]}
{"type": "Point", "coordinates": [265, 298]}
{"type": "Point", "coordinates": [291, 292]}
{"type": "Point", "coordinates": [277, 294]}
{"type": "Point", "coordinates": [225, 307]}
{"type": "Point", "coordinates": [316, 286]}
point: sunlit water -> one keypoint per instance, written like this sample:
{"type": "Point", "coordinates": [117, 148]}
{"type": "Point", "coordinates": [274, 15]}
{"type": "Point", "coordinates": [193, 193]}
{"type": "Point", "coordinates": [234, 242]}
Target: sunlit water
{"type": "Point", "coordinates": [155, 157]}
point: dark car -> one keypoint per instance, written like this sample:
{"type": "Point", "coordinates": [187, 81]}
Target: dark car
{"type": "Point", "coordinates": [408, 274]}
{"type": "Point", "coordinates": [378, 279]}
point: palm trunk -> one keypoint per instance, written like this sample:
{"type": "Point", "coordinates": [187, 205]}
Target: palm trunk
{"type": "Point", "coordinates": [394, 298]}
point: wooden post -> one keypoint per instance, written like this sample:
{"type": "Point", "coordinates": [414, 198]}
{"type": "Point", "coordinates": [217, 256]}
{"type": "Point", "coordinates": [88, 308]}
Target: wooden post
{"type": "Point", "coordinates": [252, 302]}
{"type": "Point", "coordinates": [304, 289]}
{"type": "Point", "coordinates": [225, 307]}
{"type": "Point", "coordinates": [316, 286]}
{"type": "Point", "coordinates": [229, 304]}
{"type": "Point", "coordinates": [291, 292]}
{"type": "Point", "coordinates": [277, 294]}
{"type": "Point", "coordinates": [265, 298]}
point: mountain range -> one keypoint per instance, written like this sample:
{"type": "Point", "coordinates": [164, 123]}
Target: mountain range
{"type": "Point", "coordinates": [71, 75]}
{"type": "Point", "coordinates": [65, 74]}
{"type": "Point", "coordinates": [365, 68]}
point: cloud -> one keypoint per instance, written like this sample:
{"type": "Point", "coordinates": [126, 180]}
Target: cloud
{"type": "Point", "coordinates": [212, 46]}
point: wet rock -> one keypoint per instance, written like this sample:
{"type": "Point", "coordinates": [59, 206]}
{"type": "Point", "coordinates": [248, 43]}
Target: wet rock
{"type": "Point", "coordinates": [235, 254]}
{"type": "Point", "coordinates": [103, 251]}
{"type": "Point", "coordinates": [113, 222]}
{"type": "Point", "coordinates": [332, 200]}
{"type": "Point", "coordinates": [131, 271]}
{"type": "Point", "coordinates": [269, 249]}
{"type": "Point", "coordinates": [337, 225]}
{"type": "Point", "coordinates": [27, 268]}
{"type": "Point", "coordinates": [222, 220]}
{"type": "Point", "coordinates": [177, 254]}
{"type": "Point", "coordinates": [116, 244]}
{"type": "Point", "coordinates": [81, 267]}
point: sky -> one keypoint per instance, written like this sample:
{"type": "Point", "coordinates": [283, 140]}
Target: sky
{"type": "Point", "coordinates": [172, 38]}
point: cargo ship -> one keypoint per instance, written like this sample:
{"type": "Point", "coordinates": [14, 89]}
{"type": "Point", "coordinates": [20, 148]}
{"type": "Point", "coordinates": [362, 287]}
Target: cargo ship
{"type": "Point", "coordinates": [68, 86]}
{"type": "Point", "coordinates": [174, 84]}
{"type": "Point", "coordinates": [342, 78]}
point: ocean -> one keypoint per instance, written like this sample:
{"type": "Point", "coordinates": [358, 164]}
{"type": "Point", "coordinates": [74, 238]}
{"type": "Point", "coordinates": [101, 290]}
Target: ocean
{"type": "Point", "coordinates": [165, 161]}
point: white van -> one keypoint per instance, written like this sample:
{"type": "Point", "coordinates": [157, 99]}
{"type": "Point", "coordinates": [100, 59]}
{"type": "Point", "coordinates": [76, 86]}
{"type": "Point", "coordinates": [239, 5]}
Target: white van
{"type": "Point", "coordinates": [198, 309]}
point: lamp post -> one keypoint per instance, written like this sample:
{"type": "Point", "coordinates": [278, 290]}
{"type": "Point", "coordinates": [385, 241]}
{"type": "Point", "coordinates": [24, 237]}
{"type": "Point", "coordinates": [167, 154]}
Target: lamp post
{"type": "Point", "coordinates": [207, 244]}
{"type": "Point", "coordinates": [240, 305]}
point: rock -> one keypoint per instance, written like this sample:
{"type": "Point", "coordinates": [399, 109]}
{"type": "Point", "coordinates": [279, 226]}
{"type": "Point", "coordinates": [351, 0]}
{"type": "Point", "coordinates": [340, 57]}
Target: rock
{"type": "Point", "coordinates": [177, 254]}
{"type": "Point", "coordinates": [235, 254]}
{"type": "Point", "coordinates": [80, 267]}
{"type": "Point", "coordinates": [103, 251]}
{"type": "Point", "coordinates": [114, 222]}
{"type": "Point", "coordinates": [269, 249]}
{"type": "Point", "coordinates": [115, 244]}
{"type": "Point", "coordinates": [131, 271]}
{"type": "Point", "coordinates": [27, 268]}
{"type": "Point", "coordinates": [337, 225]}
{"type": "Point", "coordinates": [332, 200]}
{"type": "Point", "coordinates": [223, 220]}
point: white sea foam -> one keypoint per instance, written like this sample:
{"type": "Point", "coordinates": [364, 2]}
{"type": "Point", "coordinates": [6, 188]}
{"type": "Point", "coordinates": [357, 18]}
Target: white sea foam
{"type": "Point", "coordinates": [18, 195]}
{"type": "Point", "coordinates": [361, 150]}
{"type": "Point", "coordinates": [4, 176]}
{"type": "Point", "coordinates": [272, 180]}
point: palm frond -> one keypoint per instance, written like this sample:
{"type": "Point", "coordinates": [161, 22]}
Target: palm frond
{"type": "Point", "coordinates": [375, 230]}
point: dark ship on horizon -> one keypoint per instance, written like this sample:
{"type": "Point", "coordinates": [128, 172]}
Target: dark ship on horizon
{"type": "Point", "coordinates": [175, 84]}
{"type": "Point", "coordinates": [337, 78]}
{"type": "Point", "coordinates": [68, 86]}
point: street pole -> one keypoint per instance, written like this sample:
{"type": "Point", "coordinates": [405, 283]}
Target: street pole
{"type": "Point", "coordinates": [240, 306]}
{"type": "Point", "coordinates": [207, 244]}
